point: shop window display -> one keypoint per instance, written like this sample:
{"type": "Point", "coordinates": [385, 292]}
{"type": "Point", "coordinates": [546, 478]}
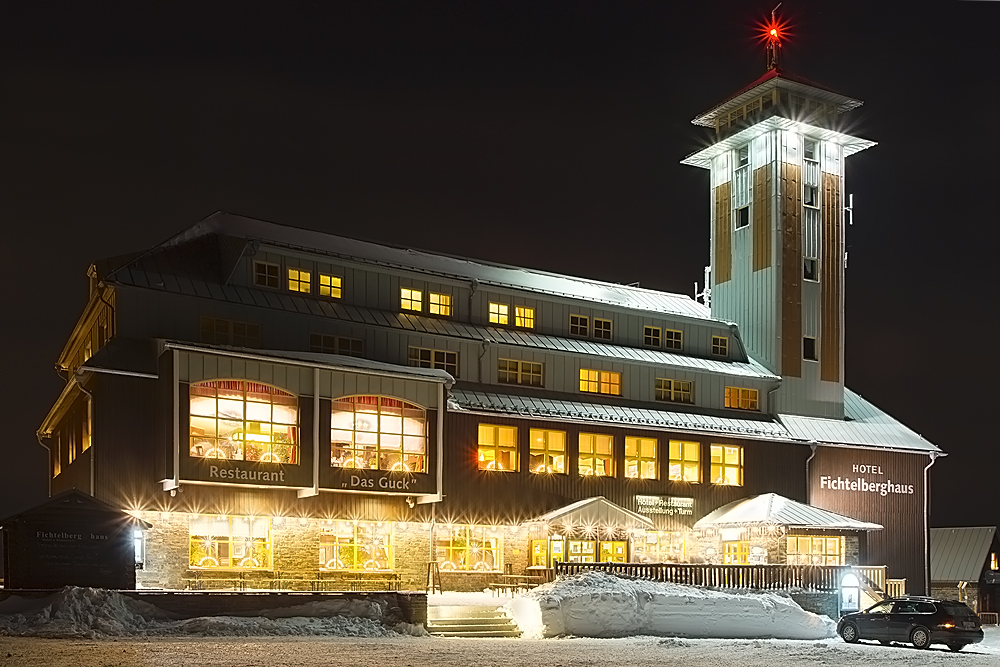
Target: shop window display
{"type": "Point", "coordinates": [243, 421]}
{"type": "Point", "coordinates": [379, 433]}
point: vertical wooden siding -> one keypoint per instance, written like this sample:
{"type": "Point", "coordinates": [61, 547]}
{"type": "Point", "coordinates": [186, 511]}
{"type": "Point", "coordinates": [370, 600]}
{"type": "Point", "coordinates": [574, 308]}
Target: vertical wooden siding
{"type": "Point", "coordinates": [791, 270]}
{"type": "Point", "coordinates": [762, 218]}
{"type": "Point", "coordinates": [723, 234]}
{"type": "Point", "coordinates": [830, 281]}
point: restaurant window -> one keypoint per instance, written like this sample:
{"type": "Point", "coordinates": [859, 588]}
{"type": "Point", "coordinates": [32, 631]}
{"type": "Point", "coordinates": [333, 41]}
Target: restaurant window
{"type": "Point", "coordinates": [330, 286]}
{"type": "Point", "coordinates": [230, 542]}
{"type": "Point", "coordinates": [742, 398]}
{"type": "Point", "coordinates": [410, 299]}
{"type": "Point", "coordinates": [299, 281]}
{"type": "Point", "coordinates": [602, 329]}
{"type": "Point", "coordinates": [597, 455]}
{"type": "Point", "coordinates": [815, 550]}
{"type": "Point", "coordinates": [378, 433]}
{"type": "Point", "coordinates": [673, 339]}
{"type": "Point", "coordinates": [674, 391]}
{"type": "Point", "coordinates": [497, 447]}
{"type": "Point", "coordinates": [243, 421]}
{"type": "Point", "coordinates": [422, 357]}
{"type": "Point", "coordinates": [439, 304]}
{"type": "Point", "coordinates": [600, 382]}
{"type": "Point", "coordinates": [524, 317]}
{"type": "Point", "coordinates": [735, 553]}
{"type": "Point", "coordinates": [266, 274]}
{"type": "Point", "coordinates": [727, 465]}
{"type": "Point", "coordinates": [579, 325]}
{"type": "Point", "coordinates": [356, 545]}
{"type": "Point", "coordinates": [326, 344]}
{"type": "Point", "coordinates": [640, 458]}
{"type": "Point", "coordinates": [720, 346]}
{"type": "Point", "coordinates": [512, 371]}
{"type": "Point", "coordinates": [651, 336]}
{"type": "Point", "coordinates": [468, 548]}
{"type": "Point", "coordinates": [548, 451]}
{"type": "Point", "coordinates": [499, 313]}
{"type": "Point", "coordinates": [685, 461]}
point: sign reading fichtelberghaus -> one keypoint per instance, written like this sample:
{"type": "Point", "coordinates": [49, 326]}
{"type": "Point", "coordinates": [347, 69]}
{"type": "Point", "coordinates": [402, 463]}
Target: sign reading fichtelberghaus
{"type": "Point", "coordinates": [881, 486]}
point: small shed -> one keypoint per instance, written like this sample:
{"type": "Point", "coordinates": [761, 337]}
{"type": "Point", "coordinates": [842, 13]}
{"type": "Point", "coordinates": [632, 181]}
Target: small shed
{"type": "Point", "coordinates": [72, 539]}
{"type": "Point", "coordinates": [965, 565]}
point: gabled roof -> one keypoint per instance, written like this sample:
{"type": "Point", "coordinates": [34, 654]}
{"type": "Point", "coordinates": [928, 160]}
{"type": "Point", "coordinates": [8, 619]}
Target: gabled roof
{"type": "Point", "coordinates": [864, 425]}
{"type": "Point", "coordinates": [595, 512]}
{"type": "Point", "coordinates": [224, 233]}
{"type": "Point", "coordinates": [959, 554]}
{"type": "Point", "coordinates": [772, 509]}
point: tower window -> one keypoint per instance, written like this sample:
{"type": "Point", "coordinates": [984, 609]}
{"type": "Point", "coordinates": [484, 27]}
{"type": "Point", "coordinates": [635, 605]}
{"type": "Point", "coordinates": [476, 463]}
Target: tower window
{"type": "Point", "coordinates": [809, 349]}
{"type": "Point", "coordinates": [742, 217]}
{"type": "Point", "coordinates": [720, 346]}
{"type": "Point", "coordinates": [809, 149]}
{"type": "Point", "coordinates": [809, 271]}
{"type": "Point", "coordinates": [743, 156]}
{"type": "Point", "coordinates": [810, 196]}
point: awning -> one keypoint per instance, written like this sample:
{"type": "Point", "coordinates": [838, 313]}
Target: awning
{"type": "Point", "coordinates": [598, 512]}
{"type": "Point", "coordinates": [772, 509]}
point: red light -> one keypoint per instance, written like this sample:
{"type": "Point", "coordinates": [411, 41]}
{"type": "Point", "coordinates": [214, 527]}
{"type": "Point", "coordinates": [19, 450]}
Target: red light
{"type": "Point", "coordinates": [774, 32]}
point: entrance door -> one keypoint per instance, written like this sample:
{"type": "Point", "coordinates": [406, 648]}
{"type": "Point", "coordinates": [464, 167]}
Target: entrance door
{"type": "Point", "coordinates": [613, 552]}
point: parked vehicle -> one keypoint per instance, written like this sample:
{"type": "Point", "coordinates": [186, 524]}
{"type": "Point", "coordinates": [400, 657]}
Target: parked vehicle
{"type": "Point", "coordinates": [920, 621]}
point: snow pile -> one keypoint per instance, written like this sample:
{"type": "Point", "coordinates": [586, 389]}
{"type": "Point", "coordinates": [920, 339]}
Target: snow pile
{"type": "Point", "coordinates": [96, 613]}
{"type": "Point", "coordinates": [595, 604]}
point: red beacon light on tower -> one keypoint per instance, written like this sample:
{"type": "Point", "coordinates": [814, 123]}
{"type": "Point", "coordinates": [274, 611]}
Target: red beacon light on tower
{"type": "Point", "coordinates": [772, 32]}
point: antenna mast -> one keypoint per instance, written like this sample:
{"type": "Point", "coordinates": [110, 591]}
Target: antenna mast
{"type": "Point", "coordinates": [773, 38]}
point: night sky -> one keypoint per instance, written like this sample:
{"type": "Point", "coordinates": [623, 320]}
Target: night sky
{"type": "Point", "coordinates": [542, 134]}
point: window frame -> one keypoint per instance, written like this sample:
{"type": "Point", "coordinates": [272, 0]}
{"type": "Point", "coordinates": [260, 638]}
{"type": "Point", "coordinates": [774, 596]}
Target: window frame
{"type": "Point", "coordinates": [718, 471]}
{"type": "Point", "coordinates": [720, 346]}
{"type": "Point", "coordinates": [331, 287]}
{"type": "Point", "coordinates": [639, 459]}
{"type": "Point", "coordinates": [806, 191]}
{"type": "Point", "coordinates": [265, 546]}
{"type": "Point", "coordinates": [439, 304]}
{"type": "Point", "coordinates": [598, 380]}
{"type": "Point", "coordinates": [361, 536]}
{"type": "Point", "coordinates": [812, 275]}
{"type": "Point", "coordinates": [524, 317]}
{"type": "Point", "coordinates": [303, 278]}
{"type": "Point", "coordinates": [497, 448]}
{"type": "Point", "coordinates": [742, 398]}
{"type": "Point", "coordinates": [411, 300]}
{"type": "Point", "coordinates": [582, 322]}
{"type": "Point", "coordinates": [593, 456]}
{"type": "Point", "coordinates": [520, 373]}
{"type": "Point", "coordinates": [439, 359]}
{"type": "Point", "coordinates": [806, 348]}
{"type": "Point", "coordinates": [500, 314]}
{"type": "Point", "coordinates": [652, 336]}
{"type": "Point", "coordinates": [668, 341]}
{"type": "Point", "coordinates": [547, 451]}
{"type": "Point", "coordinates": [607, 334]}
{"type": "Point", "coordinates": [257, 275]}
{"type": "Point", "coordinates": [470, 547]}
{"type": "Point", "coordinates": [672, 393]}
{"type": "Point", "coordinates": [356, 451]}
{"type": "Point", "coordinates": [683, 461]}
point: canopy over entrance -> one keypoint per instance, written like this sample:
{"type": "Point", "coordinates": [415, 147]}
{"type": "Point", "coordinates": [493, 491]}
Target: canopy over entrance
{"type": "Point", "coordinates": [772, 509]}
{"type": "Point", "coordinates": [595, 513]}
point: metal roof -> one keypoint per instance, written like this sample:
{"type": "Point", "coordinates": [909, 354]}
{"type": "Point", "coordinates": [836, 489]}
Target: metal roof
{"type": "Point", "coordinates": [578, 411]}
{"type": "Point", "coordinates": [959, 554]}
{"type": "Point", "coordinates": [464, 269]}
{"type": "Point", "coordinates": [595, 512]}
{"type": "Point", "coordinates": [864, 424]}
{"type": "Point", "coordinates": [770, 508]}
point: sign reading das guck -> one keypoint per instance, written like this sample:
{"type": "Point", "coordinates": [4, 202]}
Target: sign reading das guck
{"type": "Point", "coordinates": [857, 484]}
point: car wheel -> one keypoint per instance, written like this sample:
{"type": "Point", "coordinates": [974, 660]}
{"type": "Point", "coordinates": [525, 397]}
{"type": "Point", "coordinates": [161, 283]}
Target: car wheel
{"type": "Point", "coordinates": [920, 638]}
{"type": "Point", "coordinates": [849, 633]}
{"type": "Point", "coordinates": [956, 647]}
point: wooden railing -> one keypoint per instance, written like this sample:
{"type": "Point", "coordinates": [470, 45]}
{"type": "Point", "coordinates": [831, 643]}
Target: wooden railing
{"type": "Point", "coordinates": [750, 577]}
{"type": "Point", "coordinates": [895, 588]}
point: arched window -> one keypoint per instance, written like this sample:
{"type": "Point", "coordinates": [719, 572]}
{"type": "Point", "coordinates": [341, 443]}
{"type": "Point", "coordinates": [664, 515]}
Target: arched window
{"type": "Point", "coordinates": [243, 421]}
{"type": "Point", "coordinates": [378, 433]}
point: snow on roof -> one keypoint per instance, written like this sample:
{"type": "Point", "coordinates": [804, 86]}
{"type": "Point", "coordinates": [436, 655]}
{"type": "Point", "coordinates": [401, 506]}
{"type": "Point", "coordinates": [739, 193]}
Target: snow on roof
{"type": "Point", "coordinates": [597, 511]}
{"type": "Point", "coordinates": [576, 411]}
{"type": "Point", "coordinates": [486, 273]}
{"type": "Point", "coordinates": [959, 554]}
{"type": "Point", "coordinates": [770, 508]}
{"type": "Point", "coordinates": [864, 424]}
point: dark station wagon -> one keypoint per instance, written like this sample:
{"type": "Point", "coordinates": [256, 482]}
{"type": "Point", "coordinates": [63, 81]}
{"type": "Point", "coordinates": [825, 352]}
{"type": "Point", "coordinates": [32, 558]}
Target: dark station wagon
{"type": "Point", "coordinates": [920, 621]}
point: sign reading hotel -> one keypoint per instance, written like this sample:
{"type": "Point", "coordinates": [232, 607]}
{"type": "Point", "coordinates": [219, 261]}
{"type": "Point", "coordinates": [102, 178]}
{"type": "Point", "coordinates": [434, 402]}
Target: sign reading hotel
{"type": "Point", "coordinates": [881, 486]}
{"type": "Point", "coordinates": [667, 512]}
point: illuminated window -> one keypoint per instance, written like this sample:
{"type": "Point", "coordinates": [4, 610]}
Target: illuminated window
{"type": "Point", "coordinates": [993, 562]}
{"type": "Point", "coordinates": [330, 286]}
{"type": "Point", "coordinates": [356, 545]}
{"type": "Point", "coordinates": [685, 461]}
{"type": "Point", "coordinates": [735, 553]}
{"type": "Point", "coordinates": [600, 382]}
{"type": "Point", "coordinates": [602, 329]}
{"type": "Point", "coordinates": [88, 421]}
{"type": "Point", "coordinates": [597, 455]}
{"type": "Point", "coordinates": [809, 271]}
{"type": "Point", "coordinates": [266, 275]}
{"type": "Point", "coordinates": [741, 398]}
{"type": "Point", "coordinates": [410, 299]}
{"type": "Point", "coordinates": [809, 349]}
{"type": "Point", "coordinates": [326, 344]}
{"type": "Point", "coordinates": [810, 196]}
{"type": "Point", "coordinates": [499, 313]}
{"type": "Point", "coordinates": [741, 187]}
{"type": "Point", "coordinates": [56, 455]}
{"type": "Point", "coordinates": [378, 433]}
{"type": "Point", "coordinates": [464, 548]}
{"type": "Point", "coordinates": [71, 442]}
{"type": "Point", "coordinates": [720, 346]}
{"type": "Point", "coordinates": [651, 336]}
{"type": "Point", "coordinates": [243, 421]}
{"type": "Point", "coordinates": [640, 458]}
{"type": "Point", "coordinates": [548, 451]}
{"type": "Point", "coordinates": [421, 357]}
{"type": "Point", "coordinates": [673, 339]}
{"type": "Point", "coordinates": [524, 317]}
{"type": "Point", "coordinates": [727, 465]}
{"type": "Point", "coordinates": [579, 325]}
{"type": "Point", "coordinates": [815, 550]}
{"type": "Point", "coordinates": [497, 447]}
{"type": "Point", "coordinates": [139, 548]}
{"type": "Point", "coordinates": [225, 332]}
{"type": "Point", "coordinates": [675, 391]}
{"type": "Point", "coordinates": [299, 281]}
{"type": "Point", "coordinates": [230, 542]}
{"type": "Point", "coordinates": [439, 304]}
{"type": "Point", "coordinates": [512, 371]}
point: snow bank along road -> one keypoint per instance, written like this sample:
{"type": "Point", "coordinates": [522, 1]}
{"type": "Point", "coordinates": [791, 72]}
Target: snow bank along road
{"type": "Point", "coordinates": [403, 651]}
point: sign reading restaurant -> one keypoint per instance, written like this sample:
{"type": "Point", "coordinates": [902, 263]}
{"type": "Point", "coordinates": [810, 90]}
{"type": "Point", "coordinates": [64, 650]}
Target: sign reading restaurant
{"type": "Point", "coordinates": [863, 485]}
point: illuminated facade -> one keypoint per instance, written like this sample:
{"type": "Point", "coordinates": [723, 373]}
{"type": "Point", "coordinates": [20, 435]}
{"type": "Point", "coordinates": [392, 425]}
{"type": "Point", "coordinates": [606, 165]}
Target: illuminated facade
{"type": "Point", "coordinates": [290, 408]}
